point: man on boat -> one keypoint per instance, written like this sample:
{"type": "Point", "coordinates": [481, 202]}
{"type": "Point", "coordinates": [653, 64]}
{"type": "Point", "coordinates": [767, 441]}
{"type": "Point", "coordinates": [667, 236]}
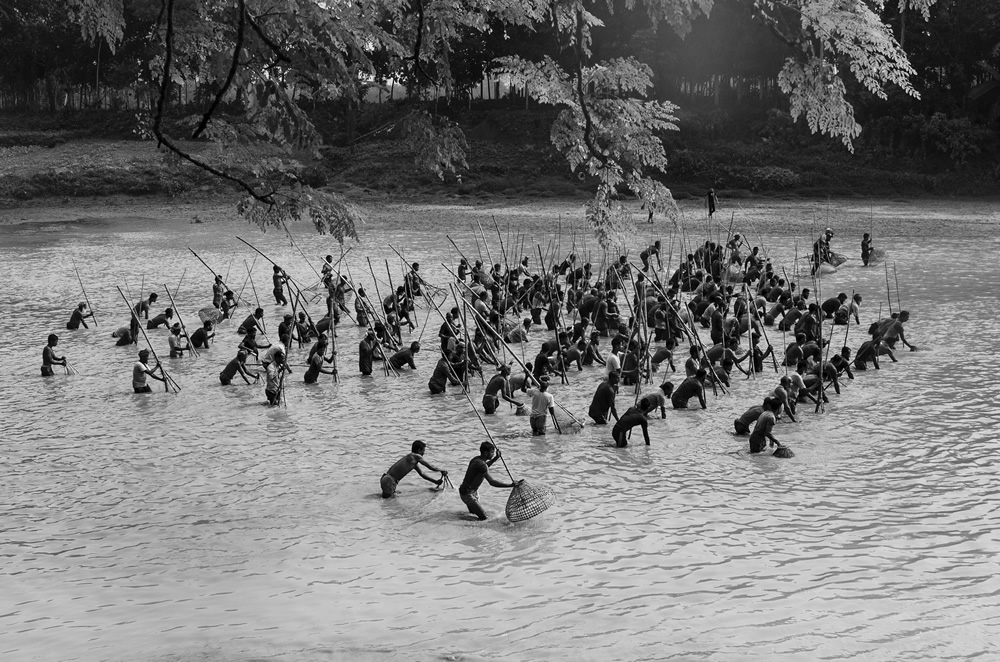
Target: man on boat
{"type": "Point", "coordinates": [478, 471]}
{"type": "Point", "coordinates": [78, 317]}
{"type": "Point", "coordinates": [406, 464]}
{"type": "Point", "coordinates": [821, 250]}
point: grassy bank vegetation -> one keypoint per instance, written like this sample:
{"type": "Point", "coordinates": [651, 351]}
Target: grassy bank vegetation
{"type": "Point", "coordinates": [65, 155]}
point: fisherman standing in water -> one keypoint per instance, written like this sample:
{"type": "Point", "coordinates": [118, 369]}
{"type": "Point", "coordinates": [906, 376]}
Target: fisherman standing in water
{"type": "Point", "coordinates": [406, 464]}
{"type": "Point", "coordinates": [77, 318]}
{"type": "Point", "coordinates": [478, 471]}
{"type": "Point", "coordinates": [49, 357]}
{"type": "Point", "coordinates": [499, 387]}
{"type": "Point", "coordinates": [140, 370]}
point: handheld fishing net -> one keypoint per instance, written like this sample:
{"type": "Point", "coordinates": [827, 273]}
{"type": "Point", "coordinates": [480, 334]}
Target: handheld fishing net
{"type": "Point", "coordinates": [210, 314]}
{"type": "Point", "coordinates": [568, 424]}
{"type": "Point", "coordinates": [527, 500]}
{"type": "Point", "coordinates": [783, 452]}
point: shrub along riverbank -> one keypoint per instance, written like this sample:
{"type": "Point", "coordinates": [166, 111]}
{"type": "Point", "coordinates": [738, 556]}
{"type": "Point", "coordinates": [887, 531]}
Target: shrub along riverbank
{"type": "Point", "coordinates": [100, 154]}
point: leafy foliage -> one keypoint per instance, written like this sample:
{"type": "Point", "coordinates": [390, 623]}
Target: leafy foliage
{"type": "Point", "coordinates": [262, 61]}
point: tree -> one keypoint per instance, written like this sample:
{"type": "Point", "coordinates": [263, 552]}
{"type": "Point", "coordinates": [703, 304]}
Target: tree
{"type": "Point", "coordinates": [260, 58]}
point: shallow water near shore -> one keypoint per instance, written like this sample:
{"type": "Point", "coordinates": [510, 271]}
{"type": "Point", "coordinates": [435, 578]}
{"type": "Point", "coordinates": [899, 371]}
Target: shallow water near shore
{"type": "Point", "coordinates": [207, 526]}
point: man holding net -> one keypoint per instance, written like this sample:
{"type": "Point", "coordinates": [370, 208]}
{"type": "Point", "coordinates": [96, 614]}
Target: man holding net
{"type": "Point", "coordinates": [405, 465]}
{"type": "Point", "coordinates": [478, 471]}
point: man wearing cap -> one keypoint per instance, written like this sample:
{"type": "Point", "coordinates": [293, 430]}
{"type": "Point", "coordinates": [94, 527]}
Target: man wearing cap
{"type": "Point", "coordinates": [77, 318]}
{"type": "Point", "coordinates": [237, 367]}
{"type": "Point", "coordinates": [177, 345]}
{"type": "Point", "coordinates": [140, 370]}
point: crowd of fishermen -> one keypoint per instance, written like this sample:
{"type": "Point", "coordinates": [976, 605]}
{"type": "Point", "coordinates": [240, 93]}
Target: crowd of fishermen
{"type": "Point", "coordinates": [623, 318]}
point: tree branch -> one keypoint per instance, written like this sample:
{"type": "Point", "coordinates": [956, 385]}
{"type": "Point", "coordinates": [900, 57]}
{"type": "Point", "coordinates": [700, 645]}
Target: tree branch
{"type": "Point", "coordinates": [588, 126]}
{"type": "Point", "coordinates": [229, 78]}
{"type": "Point", "coordinates": [162, 140]}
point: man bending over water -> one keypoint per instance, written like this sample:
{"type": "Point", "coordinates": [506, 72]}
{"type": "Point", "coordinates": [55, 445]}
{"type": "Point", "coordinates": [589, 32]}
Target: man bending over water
{"type": "Point", "coordinates": [406, 464]}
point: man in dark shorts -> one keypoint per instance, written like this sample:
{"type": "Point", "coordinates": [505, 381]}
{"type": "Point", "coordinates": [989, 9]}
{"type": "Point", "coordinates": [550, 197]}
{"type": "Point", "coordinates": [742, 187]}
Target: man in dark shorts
{"type": "Point", "coordinates": [478, 471]}
{"type": "Point", "coordinates": [689, 388]}
{"type": "Point", "coordinates": [604, 400]}
{"type": "Point", "coordinates": [631, 418]}
{"type": "Point", "coordinates": [499, 387]}
{"type": "Point", "coordinates": [49, 357]}
{"type": "Point", "coordinates": [406, 464]}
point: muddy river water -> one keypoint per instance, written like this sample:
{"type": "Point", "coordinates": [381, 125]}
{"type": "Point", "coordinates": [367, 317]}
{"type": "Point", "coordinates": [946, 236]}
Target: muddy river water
{"type": "Point", "coordinates": [207, 526]}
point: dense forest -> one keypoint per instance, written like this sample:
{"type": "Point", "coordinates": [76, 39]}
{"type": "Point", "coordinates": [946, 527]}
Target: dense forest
{"type": "Point", "coordinates": [721, 77]}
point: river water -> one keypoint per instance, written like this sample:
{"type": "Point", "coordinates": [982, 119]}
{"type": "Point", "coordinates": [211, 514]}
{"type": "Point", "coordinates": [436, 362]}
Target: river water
{"type": "Point", "coordinates": [207, 526]}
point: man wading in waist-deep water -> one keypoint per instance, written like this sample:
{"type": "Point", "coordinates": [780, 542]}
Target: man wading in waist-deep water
{"type": "Point", "coordinates": [479, 470]}
{"type": "Point", "coordinates": [406, 464]}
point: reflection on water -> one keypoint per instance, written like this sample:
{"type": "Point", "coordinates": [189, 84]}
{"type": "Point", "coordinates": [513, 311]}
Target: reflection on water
{"type": "Point", "coordinates": [206, 525]}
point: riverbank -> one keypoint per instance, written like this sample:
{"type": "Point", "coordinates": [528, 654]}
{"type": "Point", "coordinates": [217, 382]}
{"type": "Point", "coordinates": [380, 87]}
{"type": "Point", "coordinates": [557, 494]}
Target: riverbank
{"type": "Point", "coordinates": [509, 157]}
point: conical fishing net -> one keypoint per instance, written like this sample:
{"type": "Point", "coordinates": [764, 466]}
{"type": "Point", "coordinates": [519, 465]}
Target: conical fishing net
{"type": "Point", "coordinates": [527, 500]}
{"type": "Point", "coordinates": [783, 452]}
